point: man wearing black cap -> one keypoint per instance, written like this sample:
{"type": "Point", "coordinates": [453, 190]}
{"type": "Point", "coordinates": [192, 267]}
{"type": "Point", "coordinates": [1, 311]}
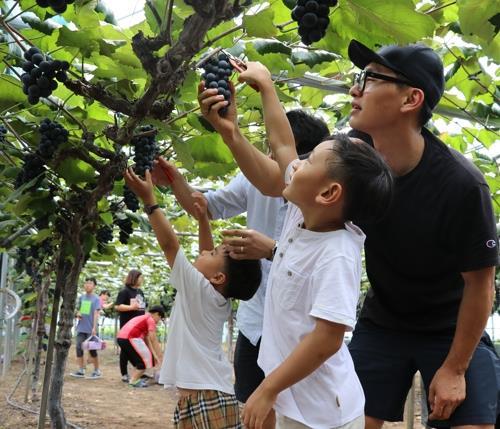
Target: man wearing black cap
{"type": "Point", "coordinates": [431, 260]}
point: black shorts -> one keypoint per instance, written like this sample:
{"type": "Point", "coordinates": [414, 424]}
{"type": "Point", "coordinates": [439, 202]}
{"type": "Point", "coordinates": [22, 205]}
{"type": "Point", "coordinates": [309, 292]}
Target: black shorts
{"type": "Point", "coordinates": [134, 357]}
{"type": "Point", "coordinates": [80, 338]}
{"type": "Point", "coordinates": [247, 373]}
{"type": "Point", "coordinates": [386, 362]}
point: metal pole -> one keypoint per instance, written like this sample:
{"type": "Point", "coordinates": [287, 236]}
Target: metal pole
{"type": "Point", "coordinates": [3, 302]}
{"type": "Point", "coordinates": [49, 357]}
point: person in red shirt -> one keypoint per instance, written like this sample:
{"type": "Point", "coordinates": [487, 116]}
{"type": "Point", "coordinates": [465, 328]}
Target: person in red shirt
{"type": "Point", "coordinates": [138, 340]}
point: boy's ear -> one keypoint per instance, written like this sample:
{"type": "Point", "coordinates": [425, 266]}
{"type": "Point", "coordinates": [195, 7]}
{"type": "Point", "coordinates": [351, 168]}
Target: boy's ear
{"type": "Point", "coordinates": [330, 194]}
{"type": "Point", "coordinates": [218, 279]}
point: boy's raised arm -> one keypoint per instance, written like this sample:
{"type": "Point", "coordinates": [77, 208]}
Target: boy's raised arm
{"type": "Point", "coordinates": [205, 239]}
{"type": "Point", "coordinates": [165, 234]}
{"type": "Point", "coordinates": [278, 129]}
{"type": "Point", "coordinates": [259, 169]}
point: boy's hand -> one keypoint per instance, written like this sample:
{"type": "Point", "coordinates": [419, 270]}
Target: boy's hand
{"type": "Point", "coordinates": [256, 73]}
{"type": "Point", "coordinates": [257, 408]}
{"type": "Point", "coordinates": [142, 188]}
{"type": "Point", "coordinates": [210, 104]}
{"type": "Point", "coordinates": [164, 173]}
{"type": "Point", "coordinates": [200, 205]}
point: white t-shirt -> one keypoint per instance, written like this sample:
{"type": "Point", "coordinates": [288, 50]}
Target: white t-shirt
{"type": "Point", "coordinates": [314, 275]}
{"type": "Point", "coordinates": [264, 214]}
{"type": "Point", "coordinates": [193, 357]}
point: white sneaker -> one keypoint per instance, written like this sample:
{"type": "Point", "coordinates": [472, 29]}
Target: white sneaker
{"type": "Point", "coordinates": [79, 373]}
{"type": "Point", "coordinates": [95, 374]}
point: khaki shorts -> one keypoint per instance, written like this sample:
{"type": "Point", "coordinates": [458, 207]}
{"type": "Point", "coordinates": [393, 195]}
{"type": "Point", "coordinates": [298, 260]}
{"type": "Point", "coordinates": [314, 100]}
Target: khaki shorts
{"type": "Point", "coordinates": [284, 422]}
{"type": "Point", "coordinates": [207, 409]}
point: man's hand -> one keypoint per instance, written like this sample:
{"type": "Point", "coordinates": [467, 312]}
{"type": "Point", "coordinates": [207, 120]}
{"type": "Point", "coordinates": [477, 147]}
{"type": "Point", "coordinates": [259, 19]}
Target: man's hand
{"type": "Point", "coordinates": [142, 188]}
{"type": "Point", "coordinates": [200, 206]}
{"type": "Point", "coordinates": [248, 244]}
{"type": "Point", "coordinates": [258, 407]}
{"type": "Point", "coordinates": [164, 172]}
{"type": "Point", "coordinates": [256, 74]}
{"type": "Point", "coordinates": [446, 393]}
{"type": "Point", "coordinates": [210, 104]}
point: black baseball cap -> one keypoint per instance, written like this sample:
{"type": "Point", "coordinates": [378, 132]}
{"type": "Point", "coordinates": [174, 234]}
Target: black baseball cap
{"type": "Point", "coordinates": [417, 63]}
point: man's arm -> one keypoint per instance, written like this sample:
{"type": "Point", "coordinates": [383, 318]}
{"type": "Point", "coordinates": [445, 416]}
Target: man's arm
{"type": "Point", "coordinates": [165, 234]}
{"type": "Point", "coordinates": [154, 345]}
{"type": "Point", "coordinates": [278, 129]}
{"type": "Point", "coordinates": [447, 389]}
{"type": "Point", "coordinates": [259, 169]}
{"type": "Point", "coordinates": [312, 351]}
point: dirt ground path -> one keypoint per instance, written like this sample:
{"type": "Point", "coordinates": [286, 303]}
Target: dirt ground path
{"type": "Point", "coordinates": [106, 403]}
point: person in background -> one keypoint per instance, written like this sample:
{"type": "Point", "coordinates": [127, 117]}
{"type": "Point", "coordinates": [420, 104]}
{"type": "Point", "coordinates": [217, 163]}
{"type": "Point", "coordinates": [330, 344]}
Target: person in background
{"type": "Point", "coordinates": [88, 308]}
{"type": "Point", "coordinates": [130, 303]}
{"type": "Point", "coordinates": [138, 341]}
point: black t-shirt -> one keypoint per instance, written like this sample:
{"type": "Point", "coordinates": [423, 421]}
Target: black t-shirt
{"type": "Point", "coordinates": [440, 224]}
{"type": "Point", "coordinates": [124, 297]}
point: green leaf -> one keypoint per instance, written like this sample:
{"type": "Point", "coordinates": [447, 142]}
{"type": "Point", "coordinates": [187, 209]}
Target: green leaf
{"type": "Point", "coordinates": [107, 218]}
{"type": "Point", "coordinates": [261, 24]}
{"type": "Point", "coordinates": [209, 148]}
{"type": "Point", "coordinates": [474, 15]}
{"type": "Point", "coordinates": [75, 171]}
{"type": "Point", "coordinates": [264, 46]}
{"type": "Point", "coordinates": [312, 58]}
{"type": "Point", "coordinates": [10, 92]}
{"type": "Point", "coordinates": [86, 41]}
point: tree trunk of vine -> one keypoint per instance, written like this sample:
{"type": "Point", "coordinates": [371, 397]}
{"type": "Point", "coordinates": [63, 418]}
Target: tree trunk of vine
{"type": "Point", "coordinates": [69, 289]}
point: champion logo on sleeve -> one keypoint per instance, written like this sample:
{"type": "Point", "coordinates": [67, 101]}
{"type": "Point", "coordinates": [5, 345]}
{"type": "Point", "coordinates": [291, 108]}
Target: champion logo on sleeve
{"type": "Point", "coordinates": [490, 244]}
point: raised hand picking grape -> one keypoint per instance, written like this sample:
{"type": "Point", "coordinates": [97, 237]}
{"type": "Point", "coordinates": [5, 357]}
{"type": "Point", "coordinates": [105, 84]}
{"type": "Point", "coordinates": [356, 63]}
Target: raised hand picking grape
{"type": "Point", "coordinates": [218, 69]}
{"type": "Point", "coordinates": [312, 17]}
{"type": "Point", "coordinates": [41, 72]}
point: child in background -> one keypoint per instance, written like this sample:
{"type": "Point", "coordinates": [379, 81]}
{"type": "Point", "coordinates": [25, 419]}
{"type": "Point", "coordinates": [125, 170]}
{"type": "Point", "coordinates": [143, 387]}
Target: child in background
{"type": "Point", "coordinates": [88, 308]}
{"type": "Point", "coordinates": [139, 343]}
{"type": "Point", "coordinates": [314, 281]}
{"type": "Point", "coordinates": [194, 361]}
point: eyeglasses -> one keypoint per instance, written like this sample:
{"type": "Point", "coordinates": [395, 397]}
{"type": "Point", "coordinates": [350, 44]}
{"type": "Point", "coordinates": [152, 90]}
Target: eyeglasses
{"type": "Point", "coordinates": [360, 79]}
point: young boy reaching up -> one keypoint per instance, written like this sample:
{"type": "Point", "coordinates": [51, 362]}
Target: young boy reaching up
{"type": "Point", "coordinates": [194, 361]}
{"type": "Point", "coordinates": [313, 285]}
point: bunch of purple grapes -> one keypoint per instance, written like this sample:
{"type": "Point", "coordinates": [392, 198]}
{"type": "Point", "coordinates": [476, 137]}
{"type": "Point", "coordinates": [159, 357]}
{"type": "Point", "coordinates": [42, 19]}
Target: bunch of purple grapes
{"type": "Point", "coordinates": [312, 17]}
{"type": "Point", "coordinates": [218, 69]}
{"type": "Point", "coordinates": [58, 6]}
{"type": "Point", "coordinates": [41, 72]}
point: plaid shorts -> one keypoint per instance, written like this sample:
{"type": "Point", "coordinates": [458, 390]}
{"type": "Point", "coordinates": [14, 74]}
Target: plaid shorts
{"type": "Point", "coordinates": [207, 409]}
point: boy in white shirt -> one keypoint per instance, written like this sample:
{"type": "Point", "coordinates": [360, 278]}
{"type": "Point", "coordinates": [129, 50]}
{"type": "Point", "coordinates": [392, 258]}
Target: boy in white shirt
{"type": "Point", "coordinates": [314, 282]}
{"type": "Point", "coordinates": [194, 361]}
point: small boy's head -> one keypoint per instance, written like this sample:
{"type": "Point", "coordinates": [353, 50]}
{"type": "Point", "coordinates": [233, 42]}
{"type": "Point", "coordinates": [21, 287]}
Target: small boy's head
{"type": "Point", "coordinates": [233, 278]}
{"type": "Point", "coordinates": [157, 312]}
{"type": "Point", "coordinates": [346, 174]}
{"type": "Point", "coordinates": [89, 284]}
{"type": "Point", "coordinates": [105, 293]}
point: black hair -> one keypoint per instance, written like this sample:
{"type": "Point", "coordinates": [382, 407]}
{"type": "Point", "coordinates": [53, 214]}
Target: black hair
{"type": "Point", "coordinates": [91, 279]}
{"type": "Point", "coordinates": [243, 277]}
{"type": "Point", "coordinates": [158, 309]}
{"type": "Point", "coordinates": [365, 177]}
{"type": "Point", "coordinates": [307, 130]}
{"type": "Point", "coordinates": [104, 292]}
{"type": "Point", "coordinates": [360, 135]}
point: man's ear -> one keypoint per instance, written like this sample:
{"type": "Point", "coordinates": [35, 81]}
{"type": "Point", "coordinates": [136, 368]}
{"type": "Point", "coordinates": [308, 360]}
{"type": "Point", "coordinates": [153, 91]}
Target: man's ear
{"type": "Point", "coordinates": [330, 194]}
{"type": "Point", "coordinates": [414, 99]}
{"type": "Point", "coordinates": [218, 279]}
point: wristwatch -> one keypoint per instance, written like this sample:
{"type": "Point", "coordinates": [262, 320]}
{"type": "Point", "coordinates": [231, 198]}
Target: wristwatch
{"type": "Point", "coordinates": [150, 209]}
{"type": "Point", "coordinates": [273, 252]}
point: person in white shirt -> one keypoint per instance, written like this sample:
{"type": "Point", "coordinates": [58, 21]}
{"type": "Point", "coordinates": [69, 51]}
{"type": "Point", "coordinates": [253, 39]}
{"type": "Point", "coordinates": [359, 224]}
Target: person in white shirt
{"type": "Point", "coordinates": [265, 217]}
{"type": "Point", "coordinates": [314, 282]}
{"type": "Point", "coordinates": [194, 361]}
